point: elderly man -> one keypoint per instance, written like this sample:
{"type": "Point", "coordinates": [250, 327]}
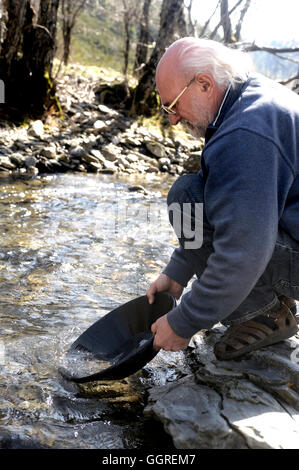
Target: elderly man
{"type": "Point", "coordinates": [247, 267]}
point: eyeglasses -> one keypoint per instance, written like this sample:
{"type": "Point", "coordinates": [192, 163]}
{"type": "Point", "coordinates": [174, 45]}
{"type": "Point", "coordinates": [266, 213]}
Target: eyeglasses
{"type": "Point", "coordinates": [168, 109]}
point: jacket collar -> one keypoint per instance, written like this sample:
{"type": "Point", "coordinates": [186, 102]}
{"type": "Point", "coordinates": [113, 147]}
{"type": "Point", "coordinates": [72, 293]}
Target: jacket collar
{"type": "Point", "coordinates": [231, 95]}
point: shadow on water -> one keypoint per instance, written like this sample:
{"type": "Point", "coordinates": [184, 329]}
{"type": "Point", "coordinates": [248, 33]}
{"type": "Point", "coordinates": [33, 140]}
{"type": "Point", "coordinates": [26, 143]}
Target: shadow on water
{"type": "Point", "coordinates": [72, 248]}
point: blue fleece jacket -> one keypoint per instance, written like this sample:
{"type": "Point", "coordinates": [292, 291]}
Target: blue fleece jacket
{"type": "Point", "coordinates": [250, 168]}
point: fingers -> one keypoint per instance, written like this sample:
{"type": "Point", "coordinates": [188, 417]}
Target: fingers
{"type": "Point", "coordinates": [155, 347]}
{"type": "Point", "coordinates": [151, 293]}
{"type": "Point", "coordinates": [154, 328]}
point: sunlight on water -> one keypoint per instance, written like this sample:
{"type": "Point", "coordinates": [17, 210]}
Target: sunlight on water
{"type": "Point", "coordinates": [72, 248]}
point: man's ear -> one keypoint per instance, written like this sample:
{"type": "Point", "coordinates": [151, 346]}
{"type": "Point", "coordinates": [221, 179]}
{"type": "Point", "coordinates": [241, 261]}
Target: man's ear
{"type": "Point", "coordinates": [205, 82]}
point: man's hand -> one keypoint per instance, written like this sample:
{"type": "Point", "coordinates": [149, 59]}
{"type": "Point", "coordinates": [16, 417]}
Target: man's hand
{"type": "Point", "coordinates": [166, 284]}
{"type": "Point", "coordinates": [165, 338]}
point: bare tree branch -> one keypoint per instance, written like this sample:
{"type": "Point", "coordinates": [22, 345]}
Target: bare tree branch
{"type": "Point", "coordinates": [287, 58]}
{"type": "Point", "coordinates": [191, 22]}
{"type": "Point", "coordinates": [76, 12]}
{"type": "Point", "coordinates": [240, 22]}
{"type": "Point", "coordinates": [209, 19]}
{"type": "Point", "coordinates": [271, 50]}
{"type": "Point", "coordinates": [213, 34]}
{"type": "Point", "coordinates": [289, 80]}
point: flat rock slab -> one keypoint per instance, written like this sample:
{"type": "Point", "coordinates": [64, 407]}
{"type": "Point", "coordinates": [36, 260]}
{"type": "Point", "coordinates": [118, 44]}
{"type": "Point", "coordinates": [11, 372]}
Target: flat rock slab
{"type": "Point", "coordinates": [247, 403]}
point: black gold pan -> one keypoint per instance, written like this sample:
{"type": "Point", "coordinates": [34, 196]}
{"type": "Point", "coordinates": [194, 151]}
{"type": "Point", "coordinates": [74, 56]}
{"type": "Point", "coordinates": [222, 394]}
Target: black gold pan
{"type": "Point", "coordinates": [120, 343]}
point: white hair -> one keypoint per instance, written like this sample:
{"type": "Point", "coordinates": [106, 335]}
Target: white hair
{"type": "Point", "coordinates": [227, 66]}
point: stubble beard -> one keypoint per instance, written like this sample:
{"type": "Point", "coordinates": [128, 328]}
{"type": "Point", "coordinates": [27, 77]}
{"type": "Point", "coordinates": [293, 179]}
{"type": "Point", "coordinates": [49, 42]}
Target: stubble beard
{"type": "Point", "coordinates": [195, 129]}
{"type": "Point", "coordinates": [198, 128]}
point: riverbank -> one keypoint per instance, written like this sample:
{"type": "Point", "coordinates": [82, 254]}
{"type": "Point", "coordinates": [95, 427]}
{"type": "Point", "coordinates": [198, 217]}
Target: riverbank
{"type": "Point", "coordinates": [93, 137]}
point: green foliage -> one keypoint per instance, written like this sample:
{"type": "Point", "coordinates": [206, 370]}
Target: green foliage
{"type": "Point", "coordinates": [97, 41]}
{"type": "Point", "coordinates": [98, 36]}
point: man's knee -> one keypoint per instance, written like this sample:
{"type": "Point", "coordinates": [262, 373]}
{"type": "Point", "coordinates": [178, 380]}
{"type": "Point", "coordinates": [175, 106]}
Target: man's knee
{"type": "Point", "coordinates": [187, 188]}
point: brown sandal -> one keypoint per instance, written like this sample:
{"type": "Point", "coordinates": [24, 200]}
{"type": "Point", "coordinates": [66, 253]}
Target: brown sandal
{"type": "Point", "coordinates": [266, 329]}
{"type": "Point", "coordinates": [290, 303]}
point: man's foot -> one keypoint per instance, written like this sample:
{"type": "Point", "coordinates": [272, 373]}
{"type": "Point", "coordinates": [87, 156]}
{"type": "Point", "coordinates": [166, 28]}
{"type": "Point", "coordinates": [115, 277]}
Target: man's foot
{"type": "Point", "coordinates": [290, 303]}
{"type": "Point", "coordinates": [263, 330]}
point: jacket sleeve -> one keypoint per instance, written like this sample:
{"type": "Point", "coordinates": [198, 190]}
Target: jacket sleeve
{"type": "Point", "coordinates": [178, 268]}
{"type": "Point", "coordinates": [247, 183]}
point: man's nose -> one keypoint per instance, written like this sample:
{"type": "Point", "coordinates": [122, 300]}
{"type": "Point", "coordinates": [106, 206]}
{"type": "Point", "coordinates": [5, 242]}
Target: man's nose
{"type": "Point", "coordinates": [174, 119]}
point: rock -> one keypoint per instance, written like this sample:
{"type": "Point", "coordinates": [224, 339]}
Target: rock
{"type": "Point", "coordinates": [91, 159]}
{"type": "Point", "coordinates": [169, 143]}
{"type": "Point", "coordinates": [109, 111]}
{"type": "Point", "coordinates": [191, 414]}
{"type": "Point", "coordinates": [109, 166]}
{"type": "Point", "coordinates": [97, 154]}
{"type": "Point", "coordinates": [6, 163]}
{"type": "Point", "coordinates": [156, 149]}
{"type": "Point", "coordinates": [164, 161]}
{"type": "Point", "coordinates": [151, 160]}
{"type": "Point", "coordinates": [49, 152]}
{"type": "Point", "coordinates": [93, 166]}
{"type": "Point", "coordinates": [54, 165]}
{"type": "Point", "coordinates": [138, 188]}
{"type": "Point", "coordinates": [132, 158]}
{"type": "Point", "coordinates": [77, 152]}
{"type": "Point", "coordinates": [81, 168]}
{"type": "Point", "coordinates": [110, 152]}
{"type": "Point", "coordinates": [30, 162]}
{"type": "Point", "coordinates": [36, 129]}
{"type": "Point", "coordinates": [18, 159]}
{"type": "Point", "coordinates": [26, 173]}
{"type": "Point", "coordinates": [131, 141]}
{"type": "Point", "coordinates": [99, 126]}
{"type": "Point", "coordinates": [249, 403]}
{"type": "Point", "coordinates": [4, 172]}
{"type": "Point", "coordinates": [152, 169]}
{"type": "Point", "coordinates": [112, 94]}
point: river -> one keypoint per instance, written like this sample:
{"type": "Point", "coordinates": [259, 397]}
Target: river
{"type": "Point", "coordinates": [73, 247]}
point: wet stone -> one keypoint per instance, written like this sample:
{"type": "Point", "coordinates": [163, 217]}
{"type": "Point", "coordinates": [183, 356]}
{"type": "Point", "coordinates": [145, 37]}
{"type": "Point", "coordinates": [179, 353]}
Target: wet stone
{"type": "Point", "coordinates": [30, 162]}
{"type": "Point", "coordinates": [158, 150]}
{"type": "Point", "coordinates": [6, 163]}
{"type": "Point", "coordinates": [257, 395]}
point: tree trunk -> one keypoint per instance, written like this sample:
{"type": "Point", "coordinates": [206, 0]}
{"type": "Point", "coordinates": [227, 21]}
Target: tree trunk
{"type": "Point", "coordinates": [17, 15]}
{"type": "Point", "coordinates": [67, 32]}
{"type": "Point", "coordinates": [127, 42]}
{"type": "Point", "coordinates": [225, 22]}
{"type": "Point", "coordinates": [70, 9]}
{"type": "Point", "coordinates": [145, 100]}
{"type": "Point", "coordinates": [26, 59]}
{"type": "Point", "coordinates": [141, 50]}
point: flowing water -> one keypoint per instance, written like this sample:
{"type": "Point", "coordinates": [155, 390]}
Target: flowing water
{"type": "Point", "coordinates": [72, 248]}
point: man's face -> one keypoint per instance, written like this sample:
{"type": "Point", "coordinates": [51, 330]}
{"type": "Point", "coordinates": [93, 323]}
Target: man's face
{"type": "Point", "coordinates": [192, 109]}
